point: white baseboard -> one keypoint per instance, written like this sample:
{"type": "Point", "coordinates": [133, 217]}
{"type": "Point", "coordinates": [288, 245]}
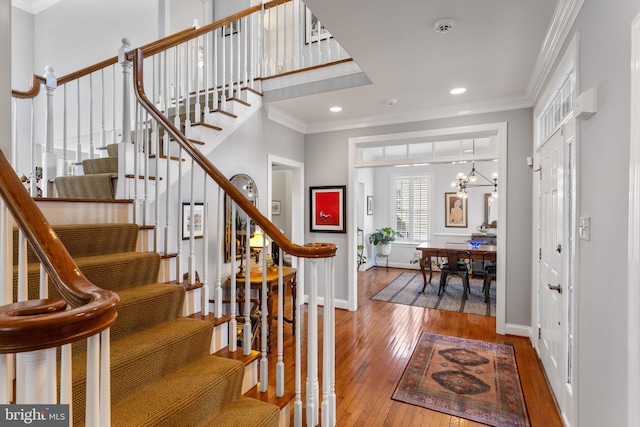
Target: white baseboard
{"type": "Point", "coordinates": [518, 330]}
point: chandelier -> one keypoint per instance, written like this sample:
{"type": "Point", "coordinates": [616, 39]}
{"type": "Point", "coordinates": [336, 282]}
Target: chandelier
{"type": "Point", "coordinates": [471, 180]}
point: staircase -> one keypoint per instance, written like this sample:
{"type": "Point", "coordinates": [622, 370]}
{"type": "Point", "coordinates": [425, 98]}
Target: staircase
{"type": "Point", "coordinates": [162, 372]}
{"type": "Point", "coordinates": [152, 365]}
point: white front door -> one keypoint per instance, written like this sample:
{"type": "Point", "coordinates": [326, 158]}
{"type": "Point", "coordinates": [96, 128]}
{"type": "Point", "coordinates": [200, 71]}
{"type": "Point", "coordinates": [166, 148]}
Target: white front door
{"type": "Point", "coordinates": [551, 286]}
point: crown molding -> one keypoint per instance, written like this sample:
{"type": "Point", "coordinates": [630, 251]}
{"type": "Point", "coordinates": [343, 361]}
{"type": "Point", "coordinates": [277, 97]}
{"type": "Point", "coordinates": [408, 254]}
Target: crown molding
{"type": "Point", "coordinates": [442, 112]}
{"type": "Point", "coordinates": [285, 119]}
{"type": "Point", "coordinates": [33, 6]}
{"type": "Point", "coordinates": [564, 16]}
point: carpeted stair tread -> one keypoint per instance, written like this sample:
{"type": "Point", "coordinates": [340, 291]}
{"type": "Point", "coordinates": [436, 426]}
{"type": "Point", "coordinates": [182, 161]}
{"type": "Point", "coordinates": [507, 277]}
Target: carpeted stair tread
{"type": "Point", "coordinates": [115, 272]}
{"type": "Point", "coordinates": [82, 240]}
{"type": "Point", "coordinates": [141, 358]}
{"type": "Point", "coordinates": [148, 305]}
{"type": "Point", "coordinates": [97, 186]}
{"type": "Point", "coordinates": [100, 165]}
{"type": "Point", "coordinates": [193, 395]}
{"type": "Point", "coordinates": [245, 411]}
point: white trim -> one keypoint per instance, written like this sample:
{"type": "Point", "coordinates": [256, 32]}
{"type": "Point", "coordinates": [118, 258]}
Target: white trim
{"type": "Point", "coordinates": [285, 119]}
{"type": "Point", "coordinates": [518, 330]}
{"type": "Point", "coordinates": [563, 18]}
{"type": "Point", "coordinates": [568, 407]}
{"type": "Point", "coordinates": [500, 129]}
{"type": "Point", "coordinates": [33, 6]}
{"type": "Point", "coordinates": [463, 109]}
{"type": "Point", "coordinates": [633, 327]}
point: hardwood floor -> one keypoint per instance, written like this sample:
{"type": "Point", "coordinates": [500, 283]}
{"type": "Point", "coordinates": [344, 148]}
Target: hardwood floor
{"type": "Point", "coordinates": [374, 344]}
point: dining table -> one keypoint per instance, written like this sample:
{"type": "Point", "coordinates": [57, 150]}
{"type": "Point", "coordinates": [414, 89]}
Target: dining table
{"type": "Point", "coordinates": [465, 250]}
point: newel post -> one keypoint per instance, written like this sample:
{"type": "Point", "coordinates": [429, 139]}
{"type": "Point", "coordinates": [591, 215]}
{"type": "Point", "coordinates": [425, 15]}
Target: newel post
{"type": "Point", "coordinates": [49, 157]}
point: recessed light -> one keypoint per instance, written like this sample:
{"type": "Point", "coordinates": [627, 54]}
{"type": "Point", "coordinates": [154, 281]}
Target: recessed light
{"type": "Point", "coordinates": [335, 109]}
{"type": "Point", "coordinates": [458, 91]}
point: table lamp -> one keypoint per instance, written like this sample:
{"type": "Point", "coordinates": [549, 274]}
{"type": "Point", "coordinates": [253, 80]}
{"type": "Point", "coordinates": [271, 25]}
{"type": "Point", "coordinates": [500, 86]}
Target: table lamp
{"type": "Point", "coordinates": [257, 242]}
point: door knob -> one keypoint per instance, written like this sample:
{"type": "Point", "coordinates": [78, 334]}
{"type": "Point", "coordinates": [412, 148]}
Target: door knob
{"type": "Point", "coordinates": [559, 248]}
{"type": "Point", "coordinates": [555, 288]}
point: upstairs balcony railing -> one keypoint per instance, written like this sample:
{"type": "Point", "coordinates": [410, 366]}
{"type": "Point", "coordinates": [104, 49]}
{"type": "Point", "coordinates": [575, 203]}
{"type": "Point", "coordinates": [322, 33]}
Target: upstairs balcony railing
{"type": "Point", "coordinates": [169, 91]}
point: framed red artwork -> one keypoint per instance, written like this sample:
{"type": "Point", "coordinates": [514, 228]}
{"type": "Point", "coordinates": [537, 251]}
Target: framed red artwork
{"type": "Point", "coordinates": [328, 209]}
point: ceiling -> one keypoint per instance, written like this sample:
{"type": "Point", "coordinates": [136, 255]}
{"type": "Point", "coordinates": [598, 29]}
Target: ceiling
{"type": "Point", "coordinates": [491, 51]}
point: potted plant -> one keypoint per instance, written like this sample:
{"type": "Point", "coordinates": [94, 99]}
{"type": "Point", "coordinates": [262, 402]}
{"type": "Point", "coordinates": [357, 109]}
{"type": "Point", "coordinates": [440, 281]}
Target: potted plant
{"type": "Point", "coordinates": [382, 239]}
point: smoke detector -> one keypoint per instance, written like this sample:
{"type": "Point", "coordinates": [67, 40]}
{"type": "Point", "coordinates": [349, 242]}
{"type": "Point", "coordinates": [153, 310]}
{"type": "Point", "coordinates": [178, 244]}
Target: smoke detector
{"type": "Point", "coordinates": [443, 25]}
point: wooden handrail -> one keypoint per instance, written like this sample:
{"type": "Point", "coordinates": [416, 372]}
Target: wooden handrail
{"type": "Point", "coordinates": [148, 49]}
{"type": "Point", "coordinates": [316, 250]}
{"type": "Point", "coordinates": [39, 324]}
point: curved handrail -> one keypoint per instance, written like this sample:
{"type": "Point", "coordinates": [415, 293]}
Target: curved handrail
{"type": "Point", "coordinates": [39, 324]}
{"type": "Point", "coordinates": [33, 91]}
{"type": "Point", "coordinates": [315, 250]}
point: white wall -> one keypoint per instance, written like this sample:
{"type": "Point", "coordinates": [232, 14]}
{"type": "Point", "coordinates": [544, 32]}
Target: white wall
{"type": "Point", "coordinates": [5, 78]}
{"type": "Point", "coordinates": [326, 163]}
{"type": "Point", "coordinates": [281, 191]}
{"type": "Point", "coordinates": [603, 187]}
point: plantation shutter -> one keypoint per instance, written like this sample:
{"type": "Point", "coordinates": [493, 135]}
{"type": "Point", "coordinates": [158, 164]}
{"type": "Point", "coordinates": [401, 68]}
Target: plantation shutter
{"type": "Point", "coordinates": [411, 207]}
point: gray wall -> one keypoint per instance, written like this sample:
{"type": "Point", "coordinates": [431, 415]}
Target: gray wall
{"type": "Point", "coordinates": [603, 187]}
{"type": "Point", "coordinates": [326, 163]}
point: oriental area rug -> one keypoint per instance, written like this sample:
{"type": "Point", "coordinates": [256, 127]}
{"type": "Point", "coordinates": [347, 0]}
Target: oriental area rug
{"type": "Point", "coordinates": [472, 379]}
{"type": "Point", "coordinates": [406, 289]}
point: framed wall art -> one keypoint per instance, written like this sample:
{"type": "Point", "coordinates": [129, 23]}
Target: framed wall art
{"type": "Point", "coordinates": [455, 210]}
{"type": "Point", "coordinates": [328, 209]}
{"type": "Point", "coordinates": [198, 220]}
{"type": "Point", "coordinates": [314, 30]}
{"type": "Point", "coordinates": [275, 207]}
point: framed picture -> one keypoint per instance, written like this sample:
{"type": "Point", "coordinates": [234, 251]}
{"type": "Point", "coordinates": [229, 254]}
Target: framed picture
{"type": "Point", "coordinates": [312, 27]}
{"type": "Point", "coordinates": [275, 207]}
{"type": "Point", "coordinates": [369, 205]}
{"type": "Point", "coordinates": [231, 28]}
{"type": "Point", "coordinates": [328, 209]}
{"type": "Point", "coordinates": [198, 220]}
{"type": "Point", "coordinates": [455, 210]}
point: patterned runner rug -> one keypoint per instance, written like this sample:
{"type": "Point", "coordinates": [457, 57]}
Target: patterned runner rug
{"type": "Point", "coordinates": [471, 379]}
{"type": "Point", "coordinates": [405, 289]}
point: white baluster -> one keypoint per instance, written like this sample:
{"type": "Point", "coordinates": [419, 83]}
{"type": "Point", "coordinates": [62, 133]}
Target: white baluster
{"type": "Point", "coordinates": [105, 378]}
{"type": "Point", "coordinates": [103, 129]}
{"type": "Point", "coordinates": [266, 325]}
{"type": "Point", "coordinates": [223, 100]}
{"type": "Point", "coordinates": [6, 382]}
{"type": "Point", "coordinates": [32, 147]}
{"type": "Point", "coordinates": [328, 413]}
{"type": "Point", "coordinates": [247, 337]}
{"type": "Point", "coordinates": [280, 350]}
{"type": "Point", "coordinates": [216, 98]}
{"type": "Point", "coordinates": [91, 146]}
{"type": "Point", "coordinates": [92, 410]}
{"type": "Point", "coordinates": [65, 150]}
{"type": "Point", "coordinates": [312, 348]}
{"type": "Point", "coordinates": [126, 95]}
{"type": "Point", "coordinates": [217, 296]}
{"type": "Point", "coordinates": [297, 406]}
{"type": "Point", "coordinates": [231, 52]}
{"type": "Point", "coordinates": [78, 128]}
{"type": "Point", "coordinates": [296, 30]}
{"type": "Point", "coordinates": [49, 157]}
{"type": "Point", "coordinates": [233, 324]}
{"type": "Point", "coordinates": [179, 219]}
{"type": "Point", "coordinates": [23, 290]}
{"type": "Point", "coordinates": [113, 104]}
{"type": "Point", "coordinates": [246, 31]}
{"type": "Point", "coordinates": [205, 251]}
{"type": "Point", "coordinates": [66, 390]}
{"type": "Point", "coordinates": [35, 376]}
{"type": "Point", "coordinates": [187, 95]}
{"type": "Point", "coordinates": [192, 229]}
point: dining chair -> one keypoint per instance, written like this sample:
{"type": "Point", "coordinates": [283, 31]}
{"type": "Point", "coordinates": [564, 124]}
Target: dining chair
{"type": "Point", "coordinates": [451, 263]}
{"type": "Point", "coordinates": [489, 268]}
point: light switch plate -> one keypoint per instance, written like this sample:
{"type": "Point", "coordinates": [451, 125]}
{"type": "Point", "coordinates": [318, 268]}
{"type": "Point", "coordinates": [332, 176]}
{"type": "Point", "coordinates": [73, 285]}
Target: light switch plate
{"type": "Point", "coordinates": [584, 228]}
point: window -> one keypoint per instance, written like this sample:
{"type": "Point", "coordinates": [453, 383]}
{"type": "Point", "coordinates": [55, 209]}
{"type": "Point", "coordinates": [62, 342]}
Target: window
{"type": "Point", "coordinates": [411, 206]}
